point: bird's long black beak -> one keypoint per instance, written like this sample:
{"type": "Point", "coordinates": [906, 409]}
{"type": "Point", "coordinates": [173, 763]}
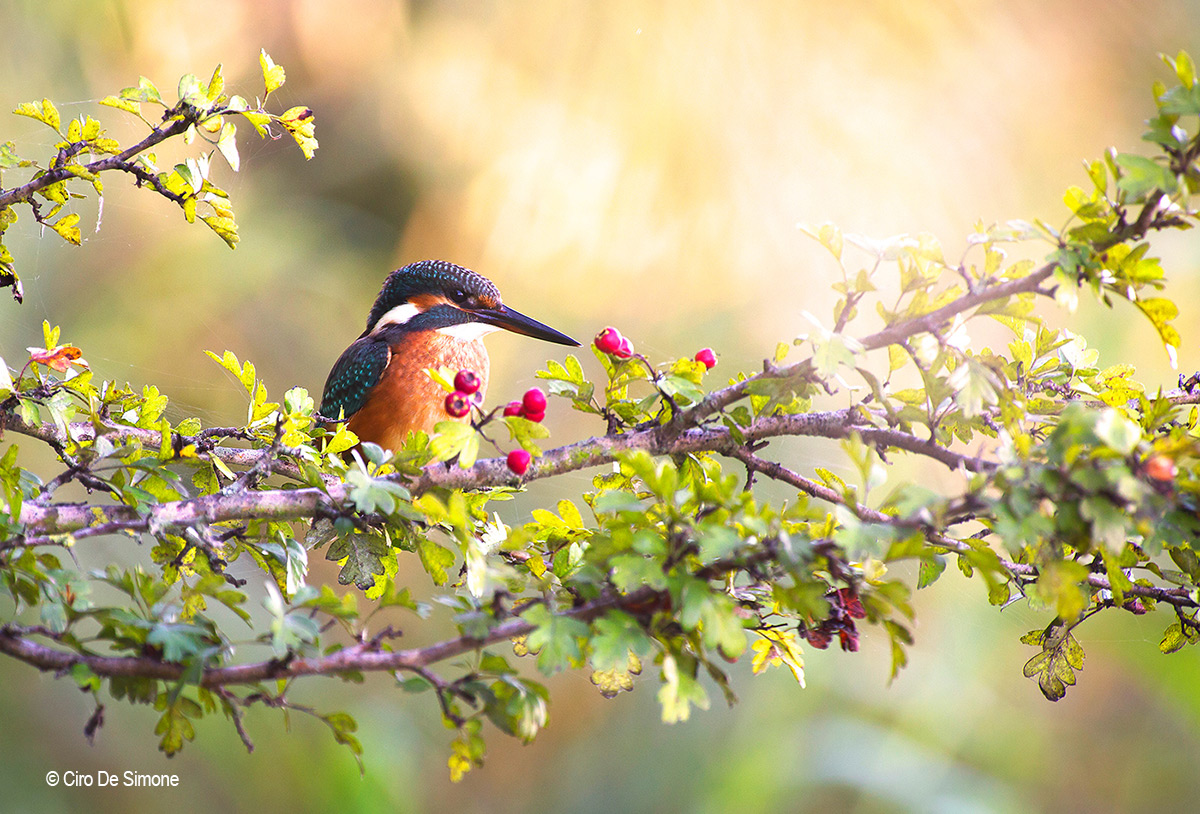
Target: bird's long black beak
{"type": "Point", "coordinates": [510, 320]}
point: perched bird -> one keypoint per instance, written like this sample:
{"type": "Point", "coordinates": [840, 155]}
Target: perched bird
{"type": "Point", "coordinates": [429, 314]}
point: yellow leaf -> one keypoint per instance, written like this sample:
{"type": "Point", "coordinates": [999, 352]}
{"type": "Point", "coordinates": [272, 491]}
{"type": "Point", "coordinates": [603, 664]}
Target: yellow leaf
{"type": "Point", "coordinates": [273, 75]}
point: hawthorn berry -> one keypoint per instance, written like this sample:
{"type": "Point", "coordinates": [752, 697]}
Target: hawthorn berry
{"type": "Point", "coordinates": [624, 349]}
{"type": "Point", "coordinates": [1161, 468]}
{"type": "Point", "coordinates": [608, 340]}
{"type": "Point", "coordinates": [467, 381]}
{"type": "Point", "coordinates": [458, 404]}
{"type": "Point", "coordinates": [707, 358]}
{"type": "Point", "coordinates": [518, 461]}
{"type": "Point", "coordinates": [512, 408]}
{"type": "Point", "coordinates": [536, 418]}
{"type": "Point", "coordinates": [533, 402]}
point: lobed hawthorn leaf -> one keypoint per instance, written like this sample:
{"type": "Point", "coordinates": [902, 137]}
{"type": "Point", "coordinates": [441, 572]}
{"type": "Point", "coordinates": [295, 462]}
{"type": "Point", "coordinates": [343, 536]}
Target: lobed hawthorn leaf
{"type": "Point", "coordinates": [361, 556]}
{"type": "Point", "coordinates": [618, 637]}
{"type": "Point", "coordinates": [1054, 668]}
{"type": "Point", "coordinates": [555, 638]}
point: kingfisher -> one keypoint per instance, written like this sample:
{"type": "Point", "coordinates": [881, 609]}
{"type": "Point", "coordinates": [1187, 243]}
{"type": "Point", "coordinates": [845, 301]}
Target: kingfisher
{"type": "Point", "coordinates": [429, 314]}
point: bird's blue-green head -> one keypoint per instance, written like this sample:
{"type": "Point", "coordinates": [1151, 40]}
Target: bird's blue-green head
{"type": "Point", "coordinates": [436, 295]}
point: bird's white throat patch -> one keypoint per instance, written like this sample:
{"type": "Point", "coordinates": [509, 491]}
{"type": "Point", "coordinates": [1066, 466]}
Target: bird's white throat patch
{"type": "Point", "coordinates": [403, 313]}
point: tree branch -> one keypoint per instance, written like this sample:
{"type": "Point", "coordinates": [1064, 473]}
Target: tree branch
{"type": "Point", "coordinates": [356, 658]}
{"type": "Point", "coordinates": [174, 126]}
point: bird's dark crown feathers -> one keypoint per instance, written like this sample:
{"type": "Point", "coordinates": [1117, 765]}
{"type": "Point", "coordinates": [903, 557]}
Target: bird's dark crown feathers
{"type": "Point", "coordinates": [457, 285]}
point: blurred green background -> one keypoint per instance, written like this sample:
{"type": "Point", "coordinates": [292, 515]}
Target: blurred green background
{"type": "Point", "coordinates": [627, 162]}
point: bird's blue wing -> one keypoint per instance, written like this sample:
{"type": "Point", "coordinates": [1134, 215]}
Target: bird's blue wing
{"type": "Point", "coordinates": [354, 375]}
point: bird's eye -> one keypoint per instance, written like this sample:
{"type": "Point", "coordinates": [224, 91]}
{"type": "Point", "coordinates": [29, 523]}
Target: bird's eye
{"type": "Point", "coordinates": [459, 295]}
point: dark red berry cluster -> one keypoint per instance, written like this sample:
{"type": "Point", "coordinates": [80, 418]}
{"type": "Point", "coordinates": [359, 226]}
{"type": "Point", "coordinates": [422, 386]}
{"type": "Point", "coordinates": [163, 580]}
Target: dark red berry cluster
{"type": "Point", "coordinates": [844, 608]}
{"type": "Point", "coordinates": [466, 385]}
{"type": "Point", "coordinates": [532, 405]}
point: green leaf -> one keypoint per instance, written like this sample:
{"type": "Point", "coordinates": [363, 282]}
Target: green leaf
{"type": "Point", "coordinates": [1054, 667]}
{"type": "Point", "coordinates": [435, 559]}
{"type": "Point", "coordinates": [179, 642]}
{"type": "Point", "coordinates": [175, 725]}
{"type": "Point", "coordinates": [9, 160]}
{"type": "Point", "coordinates": [1143, 175]}
{"type": "Point", "coordinates": [453, 438]}
{"type": "Point", "coordinates": [931, 568]}
{"type": "Point", "coordinates": [361, 556]}
{"type": "Point", "coordinates": [1061, 585]}
{"type": "Point", "coordinates": [679, 693]}
{"type": "Point", "coordinates": [617, 635]}
{"type": "Point", "coordinates": [830, 351]}
{"type": "Point", "coordinates": [1118, 432]}
{"type": "Point", "coordinates": [632, 571]}
{"type": "Point", "coordinates": [974, 387]}
{"type": "Point", "coordinates": [555, 638]}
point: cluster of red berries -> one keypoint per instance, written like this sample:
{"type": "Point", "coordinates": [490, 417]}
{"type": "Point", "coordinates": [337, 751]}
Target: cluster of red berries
{"type": "Point", "coordinates": [466, 385]}
{"type": "Point", "coordinates": [611, 342]}
{"type": "Point", "coordinates": [532, 406]}
{"type": "Point", "coordinates": [844, 608]}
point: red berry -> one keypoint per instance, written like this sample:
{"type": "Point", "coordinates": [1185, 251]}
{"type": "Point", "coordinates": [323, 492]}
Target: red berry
{"type": "Point", "coordinates": [458, 404]}
{"type": "Point", "coordinates": [608, 340]}
{"type": "Point", "coordinates": [512, 408]}
{"type": "Point", "coordinates": [534, 401]}
{"type": "Point", "coordinates": [518, 461]}
{"type": "Point", "coordinates": [625, 349]}
{"type": "Point", "coordinates": [536, 418]}
{"type": "Point", "coordinates": [467, 382]}
{"type": "Point", "coordinates": [707, 358]}
{"type": "Point", "coordinates": [1161, 468]}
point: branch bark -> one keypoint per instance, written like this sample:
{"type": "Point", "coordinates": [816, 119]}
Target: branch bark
{"type": "Point", "coordinates": [364, 657]}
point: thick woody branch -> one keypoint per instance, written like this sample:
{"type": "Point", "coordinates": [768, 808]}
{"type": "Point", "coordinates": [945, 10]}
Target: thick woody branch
{"type": "Point", "coordinates": [364, 657]}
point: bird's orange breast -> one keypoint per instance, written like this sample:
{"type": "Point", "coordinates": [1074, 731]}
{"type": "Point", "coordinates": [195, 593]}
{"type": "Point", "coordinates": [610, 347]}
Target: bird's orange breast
{"type": "Point", "coordinates": [406, 399]}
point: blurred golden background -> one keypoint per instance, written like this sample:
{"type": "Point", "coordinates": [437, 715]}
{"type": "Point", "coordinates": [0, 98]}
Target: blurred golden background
{"type": "Point", "coordinates": [643, 164]}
